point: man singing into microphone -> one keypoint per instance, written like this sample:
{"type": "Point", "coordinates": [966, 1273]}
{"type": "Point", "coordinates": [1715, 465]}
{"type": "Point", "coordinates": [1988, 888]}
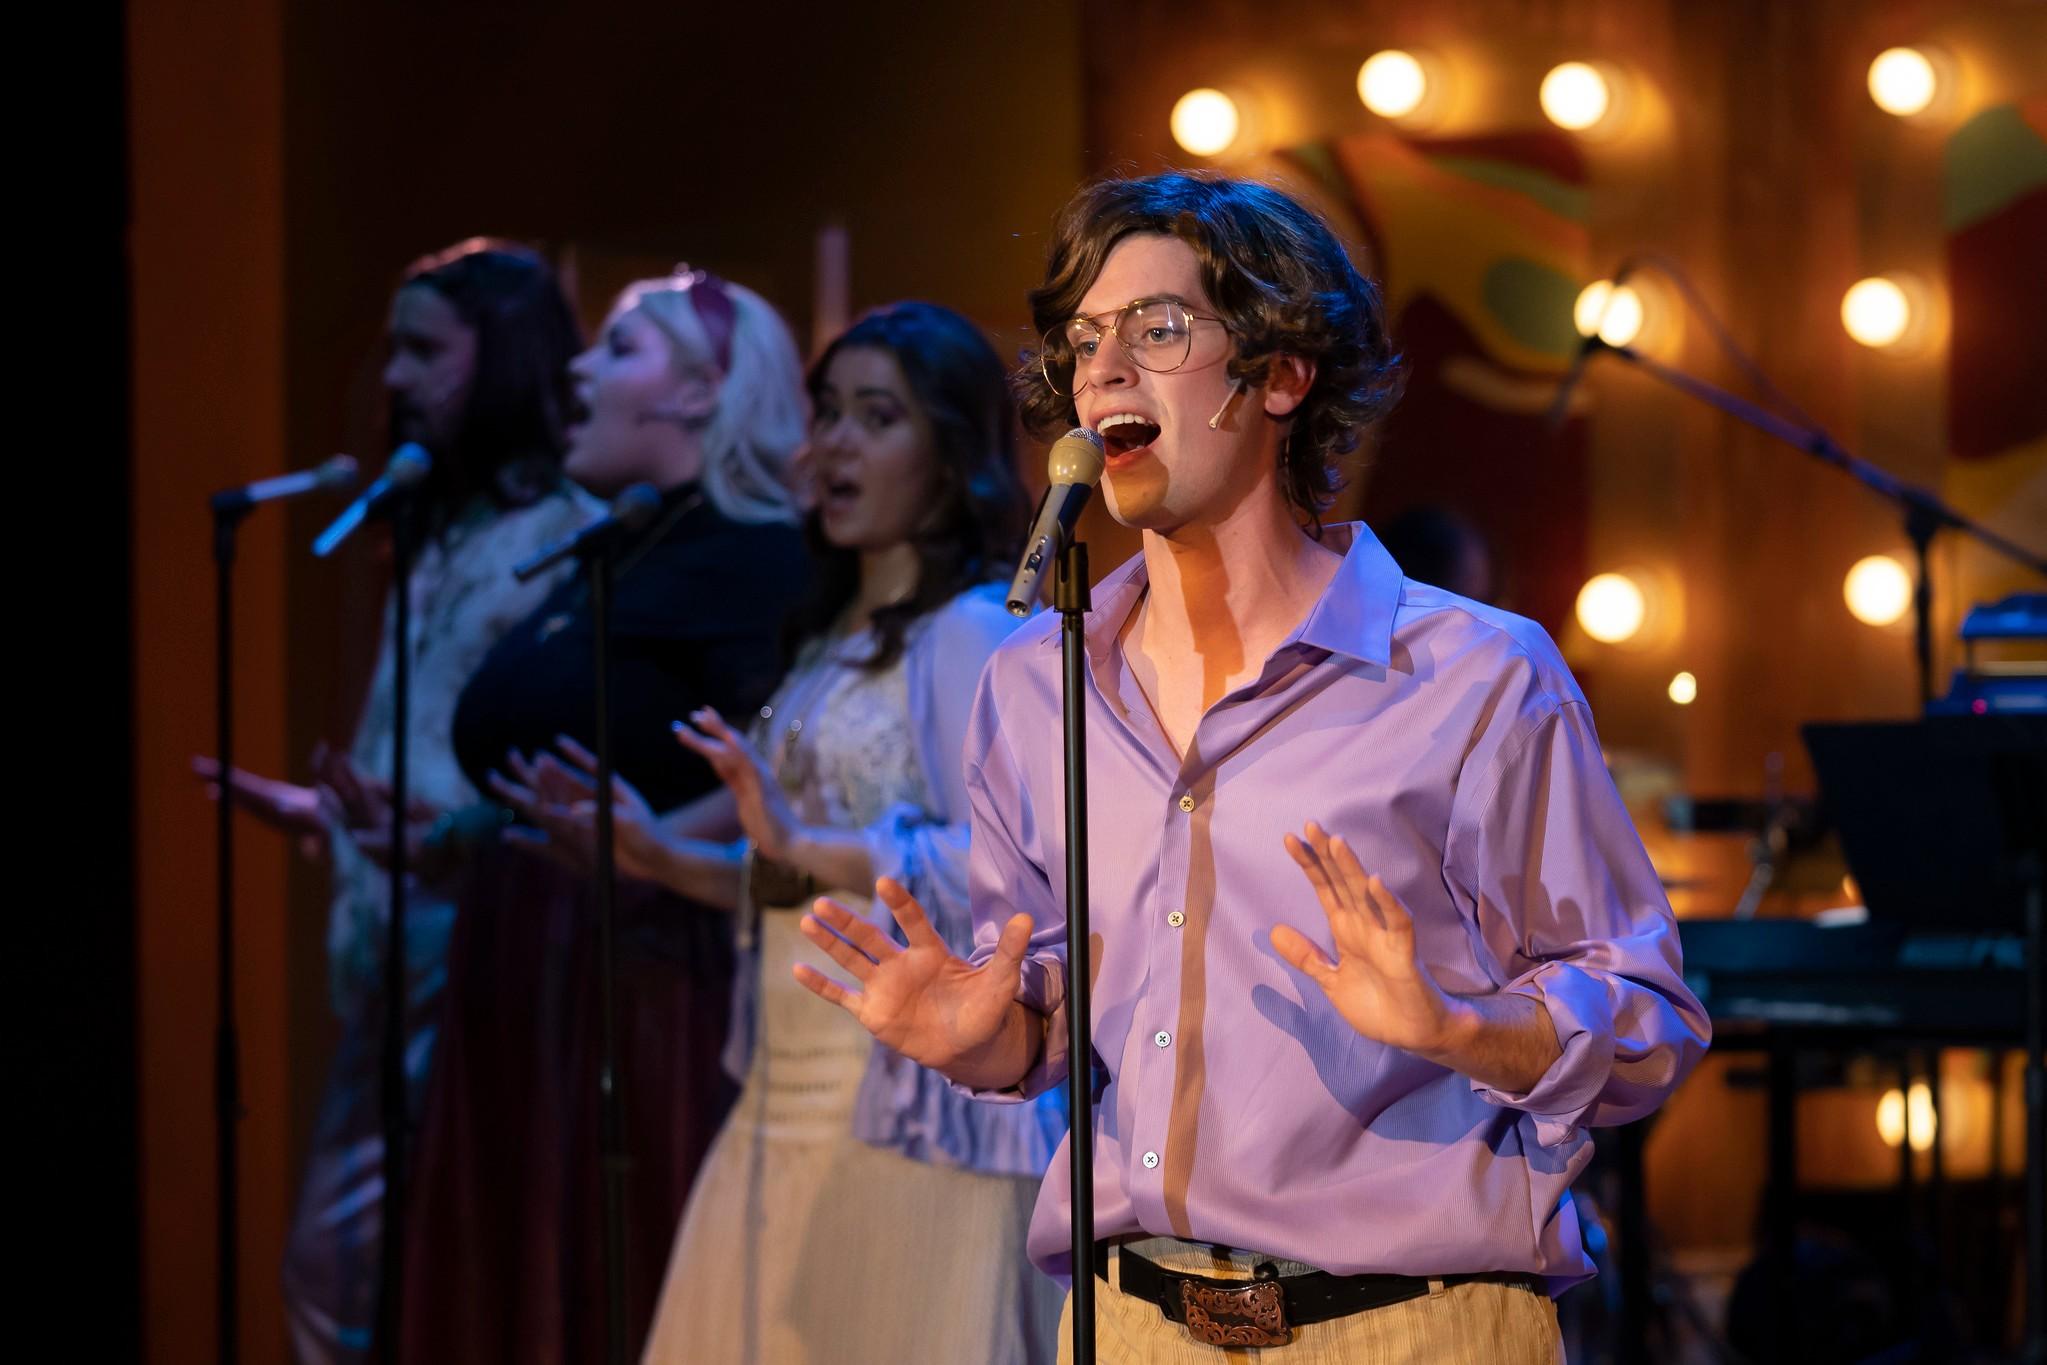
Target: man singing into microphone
{"type": "Point", "coordinates": [479, 340]}
{"type": "Point", "coordinates": [1374, 940]}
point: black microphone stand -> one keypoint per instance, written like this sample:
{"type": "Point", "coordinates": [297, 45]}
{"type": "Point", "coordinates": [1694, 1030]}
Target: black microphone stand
{"type": "Point", "coordinates": [391, 1263]}
{"type": "Point", "coordinates": [1072, 600]}
{"type": "Point", "coordinates": [600, 562]}
{"type": "Point", "coordinates": [1923, 510]}
{"type": "Point", "coordinates": [229, 508]}
{"type": "Point", "coordinates": [595, 548]}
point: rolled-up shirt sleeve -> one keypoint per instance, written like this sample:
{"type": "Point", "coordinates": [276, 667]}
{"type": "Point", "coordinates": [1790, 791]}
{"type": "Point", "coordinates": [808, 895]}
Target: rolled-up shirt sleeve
{"type": "Point", "coordinates": [1571, 914]}
{"type": "Point", "coordinates": [1006, 872]}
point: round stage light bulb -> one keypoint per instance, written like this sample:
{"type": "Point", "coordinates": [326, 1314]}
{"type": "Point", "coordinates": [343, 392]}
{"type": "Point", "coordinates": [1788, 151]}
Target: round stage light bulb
{"type": "Point", "coordinates": [1902, 81]}
{"type": "Point", "coordinates": [1890, 1117]}
{"type": "Point", "coordinates": [1611, 608]}
{"type": "Point", "coordinates": [1878, 590]}
{"type": "Point", "coordinates": [1392, 84]}
{"type": "Point", "coordinates": [1876, 311]}
{"type": "Point", "coordinates": [1684, 689]}
{"type": "Point", "coordinates": [1575, 96]}
{"type": "Point", "coordinates": [1897, 1113]}
{"type": "Point", "coordinates": [1617, 313]}
{"type": "Point", "coordinates": [1205, 121]}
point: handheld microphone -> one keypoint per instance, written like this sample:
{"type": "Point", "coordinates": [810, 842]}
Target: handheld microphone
{"type": "Point", "coordinates": [410, 464]}
{"type": "Point", "coordinates": [631, 510]}
{"type": "Point", "coordinates": [1554, 418]}
{"type": "Point", "coordinates": [331, 477]}
{"type": "Point", "coordinates": [1075, 466]}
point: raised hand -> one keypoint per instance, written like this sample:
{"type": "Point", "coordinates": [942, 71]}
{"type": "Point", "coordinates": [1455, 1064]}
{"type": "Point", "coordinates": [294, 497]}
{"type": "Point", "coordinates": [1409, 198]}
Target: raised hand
{"type": "Point", "coordinates": [638, 849]}
{"type": "Point", "coordinates": [545, 828]}
{"type": "Point", "coordinates": [537, 785]}
{"type": "Point", "coordinates": [921, 999]}
{"type": "Point", "coordinates": [284, 806]}
{"type": "Point", "coordinates": [1377, 982]}
{"type": "Point", "coordinates": [764, 810]}
{"type": "Point", "coordinates": [359, 800]}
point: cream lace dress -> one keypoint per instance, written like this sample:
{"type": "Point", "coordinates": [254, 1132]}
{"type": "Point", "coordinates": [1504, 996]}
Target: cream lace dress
{"type": "Point", "coordinates": [802, 1245]}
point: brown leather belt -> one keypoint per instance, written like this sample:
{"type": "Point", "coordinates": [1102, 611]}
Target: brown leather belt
{"type": "Point", "coordinates": [1264, 1310]}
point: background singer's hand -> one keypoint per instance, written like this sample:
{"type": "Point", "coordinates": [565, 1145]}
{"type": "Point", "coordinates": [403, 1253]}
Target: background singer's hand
{"type": "Point", "coordinates": [921, 999]}
{"type": "Point", "coordinates": [763, 807]}
{"type": "Point", "coordinates": [301, 814]}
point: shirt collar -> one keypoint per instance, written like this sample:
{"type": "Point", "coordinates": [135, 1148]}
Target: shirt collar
{"type": "Point", "coordinates": [1354, 615]}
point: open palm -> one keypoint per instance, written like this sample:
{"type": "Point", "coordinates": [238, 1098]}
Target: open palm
{"type": "Point", "coordinates": [1377, 981]}
{"type": "Point", "coordinates": [919, 998]}
{"type": "Point", "coordinates": [765, 813]}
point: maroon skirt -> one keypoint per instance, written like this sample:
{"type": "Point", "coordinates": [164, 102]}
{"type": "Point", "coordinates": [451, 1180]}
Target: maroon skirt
{"type": "Point", "coordinates": [504, 1255]}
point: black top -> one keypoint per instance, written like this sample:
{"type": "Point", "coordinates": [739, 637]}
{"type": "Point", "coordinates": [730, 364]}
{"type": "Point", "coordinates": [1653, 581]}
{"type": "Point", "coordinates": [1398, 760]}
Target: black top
{"type": "Point", "coordinates": [696, 619]}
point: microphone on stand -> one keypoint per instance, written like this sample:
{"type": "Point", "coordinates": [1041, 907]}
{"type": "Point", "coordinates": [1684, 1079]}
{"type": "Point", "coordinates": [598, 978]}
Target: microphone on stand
{"type": "Point", "coordinates": [1554, 418]}
{"type": "Point", "coordinates": [332, 477]}
{"type": "Point", "coordinates": [230, 506]}
{"type": "Point", "coordinates": [631, 510]}
{"type": "Point", "coordinates": [410, 464]}
{"type": "Point", "coordinates": [1075, 466]}
{"type": "Point", "coordinates": [1587, 348]}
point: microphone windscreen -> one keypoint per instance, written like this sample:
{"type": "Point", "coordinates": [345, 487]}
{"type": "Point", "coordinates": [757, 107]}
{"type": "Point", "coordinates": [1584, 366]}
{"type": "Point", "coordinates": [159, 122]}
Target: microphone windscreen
{"type": "Point", "coordinates": [636, 506]}
{"type": "Point", "coordinates": [410, 464]}
{"type": "Point", "coordinates": [337, 473]}
{"type": "Point", "coordinates": [1076, 458]}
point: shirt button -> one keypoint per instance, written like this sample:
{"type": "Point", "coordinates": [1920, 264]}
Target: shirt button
{"type": "Point", "coordinates": [1162, 1038]}
{"type": "Point", "coordinates": [1187, 803]}
{"type": "Point", "coordinates": [1151, 1161]}
{"type": "Point", "coordinates": [1176, 919]}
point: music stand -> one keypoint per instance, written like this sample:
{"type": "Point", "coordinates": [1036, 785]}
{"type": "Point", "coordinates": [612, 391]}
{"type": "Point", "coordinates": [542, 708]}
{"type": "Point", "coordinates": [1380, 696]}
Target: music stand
{"type": "Point", "coordinates": [1944, 825]}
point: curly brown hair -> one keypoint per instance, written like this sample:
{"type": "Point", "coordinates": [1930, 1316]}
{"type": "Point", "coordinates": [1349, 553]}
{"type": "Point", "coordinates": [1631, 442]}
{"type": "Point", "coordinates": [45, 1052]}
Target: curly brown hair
{"type": "Point", "coordinates": [1281, 280]}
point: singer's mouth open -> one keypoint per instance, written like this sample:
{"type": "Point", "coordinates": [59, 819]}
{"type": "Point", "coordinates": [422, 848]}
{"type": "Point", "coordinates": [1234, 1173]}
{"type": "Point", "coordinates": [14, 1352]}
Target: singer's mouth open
{"type": "Point", "coordinates": [1124, 433]}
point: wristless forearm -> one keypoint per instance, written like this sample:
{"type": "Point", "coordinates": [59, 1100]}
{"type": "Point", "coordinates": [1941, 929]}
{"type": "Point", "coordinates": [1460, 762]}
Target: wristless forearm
{"type": "Point", "coordinates": [836, 859]}
{"type": "Point", "coordinates": [1500, 1039]}
{"type": "Point", "coordinates": [1004, 1061]}
{"type": "Point", "coordinates": [701, 871]}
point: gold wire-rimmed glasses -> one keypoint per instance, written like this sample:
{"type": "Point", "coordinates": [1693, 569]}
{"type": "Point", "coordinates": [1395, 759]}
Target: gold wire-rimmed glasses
{"type": "Point", "coordinates": [1157, 335]}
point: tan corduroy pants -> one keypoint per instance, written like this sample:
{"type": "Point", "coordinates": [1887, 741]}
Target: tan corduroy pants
{"type": "Point", "coordinates": [1461, 1324]}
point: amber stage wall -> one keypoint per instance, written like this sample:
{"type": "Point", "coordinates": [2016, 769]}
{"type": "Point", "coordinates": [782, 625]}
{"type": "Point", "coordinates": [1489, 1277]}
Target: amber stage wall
{"type": "Point", "coordinates": [1757, 161]}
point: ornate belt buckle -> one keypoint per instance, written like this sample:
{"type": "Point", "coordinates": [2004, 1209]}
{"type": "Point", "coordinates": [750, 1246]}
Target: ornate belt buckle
{"type": "Point", "coordinates": [1253, 1314]}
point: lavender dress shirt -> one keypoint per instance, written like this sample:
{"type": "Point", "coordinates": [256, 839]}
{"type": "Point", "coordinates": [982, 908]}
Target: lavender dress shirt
{"type": "Point", "coordinates": [1448, 743]}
